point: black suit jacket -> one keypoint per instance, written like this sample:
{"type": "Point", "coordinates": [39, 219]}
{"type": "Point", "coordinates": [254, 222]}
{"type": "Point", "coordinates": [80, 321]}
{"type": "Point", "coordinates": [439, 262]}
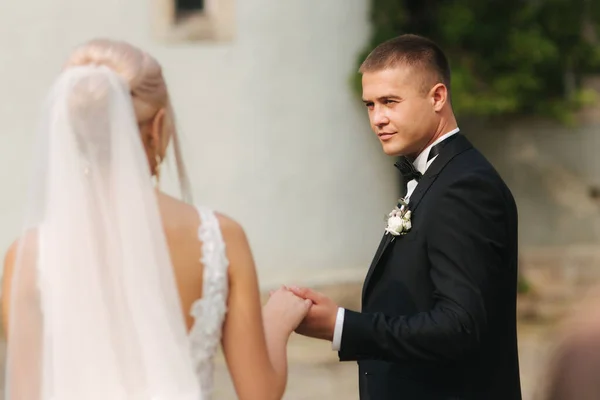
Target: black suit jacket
{"type": "Point", "coordinates": [438, 316]}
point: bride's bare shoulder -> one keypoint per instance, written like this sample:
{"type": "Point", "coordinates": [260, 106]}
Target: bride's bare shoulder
{"type": "Point", "coordinates": [229, 226]}
{"type": "Point", "coordinates": [177, 212]}
{"type": "Point", "coordinates": [237, 248]}
{"type": "Point", "coordinates": [26, 244]}
{"type": "Point", "coordinates": [25, 248]}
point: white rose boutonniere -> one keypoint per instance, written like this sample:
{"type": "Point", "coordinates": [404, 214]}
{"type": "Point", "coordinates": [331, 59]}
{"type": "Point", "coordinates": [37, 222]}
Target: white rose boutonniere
{"type": "Point", "coordinates": [398, 222]}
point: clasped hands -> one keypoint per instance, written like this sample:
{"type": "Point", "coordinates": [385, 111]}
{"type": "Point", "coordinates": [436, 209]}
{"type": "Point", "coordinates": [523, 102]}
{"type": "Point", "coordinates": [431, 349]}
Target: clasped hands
{"type": "Point", "coordinates": [320, 313]}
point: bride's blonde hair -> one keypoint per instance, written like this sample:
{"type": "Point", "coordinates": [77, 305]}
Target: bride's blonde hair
{"type": "Point", "coordinates": [148, 88]}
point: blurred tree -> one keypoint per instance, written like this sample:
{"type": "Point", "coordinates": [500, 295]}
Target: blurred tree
{"type": "Point", "coordinates": [508, 57]}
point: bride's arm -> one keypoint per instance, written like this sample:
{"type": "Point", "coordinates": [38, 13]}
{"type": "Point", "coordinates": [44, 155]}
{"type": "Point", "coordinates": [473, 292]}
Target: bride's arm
{"type": "Point", "coordinates": [7, 277]}
{"type": "Point", "coordinates": [255, 344]}
{"type": "Point", "coordinates": [24, 358]}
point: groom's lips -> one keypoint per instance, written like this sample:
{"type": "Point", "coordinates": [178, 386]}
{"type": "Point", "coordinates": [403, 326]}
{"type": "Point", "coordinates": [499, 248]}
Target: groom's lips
{"type": "Point", "coordinates": [385, 135]}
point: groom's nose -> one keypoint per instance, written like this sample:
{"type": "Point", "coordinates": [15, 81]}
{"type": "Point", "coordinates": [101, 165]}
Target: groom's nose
{"type": "Point", "coordinates": [380, 117]}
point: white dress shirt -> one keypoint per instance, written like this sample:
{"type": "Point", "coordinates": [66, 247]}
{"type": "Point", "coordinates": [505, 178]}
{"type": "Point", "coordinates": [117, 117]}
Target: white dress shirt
{"type": "Point", "coordinates": [421, 164]}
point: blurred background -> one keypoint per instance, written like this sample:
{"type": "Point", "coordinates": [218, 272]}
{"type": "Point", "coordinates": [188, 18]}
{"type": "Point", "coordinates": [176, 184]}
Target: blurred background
{"type": "Point", "coordinates": [268, 104]}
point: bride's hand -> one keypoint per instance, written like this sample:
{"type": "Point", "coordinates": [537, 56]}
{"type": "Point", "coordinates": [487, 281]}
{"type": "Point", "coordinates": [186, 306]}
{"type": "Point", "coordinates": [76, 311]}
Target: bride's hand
{"type": "Point", "coordinates": [285, 310]}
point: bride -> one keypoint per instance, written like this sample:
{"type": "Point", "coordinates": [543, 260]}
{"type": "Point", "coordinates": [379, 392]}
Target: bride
{"type": "Point", "coordinates": [115, 290]}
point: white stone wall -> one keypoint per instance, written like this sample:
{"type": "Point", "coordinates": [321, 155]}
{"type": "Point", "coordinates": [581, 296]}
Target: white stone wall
{"type": "Point", "coordinates": [273, 135]}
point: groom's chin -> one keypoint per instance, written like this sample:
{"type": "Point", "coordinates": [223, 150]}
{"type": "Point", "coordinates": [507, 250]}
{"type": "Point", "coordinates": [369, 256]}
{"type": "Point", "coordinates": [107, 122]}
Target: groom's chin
{"type": "Point", "coordinates": [397, 146]}
{"type": "Point", "coordinates": [391, 150]}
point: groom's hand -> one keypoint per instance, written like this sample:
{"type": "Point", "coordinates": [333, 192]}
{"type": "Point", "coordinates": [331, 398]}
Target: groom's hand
{"type": "Point", "coordinates": [320, 321]}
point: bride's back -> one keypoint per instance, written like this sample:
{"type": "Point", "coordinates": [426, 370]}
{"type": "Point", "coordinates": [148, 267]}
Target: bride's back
{"type": "Point", "coordinates": [181, 223]}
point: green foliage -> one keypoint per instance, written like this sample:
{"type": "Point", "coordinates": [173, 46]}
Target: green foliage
{"type": "Point", "coordinates": [508, 57]}
{"type": "Point", "coordinates": [523, 285]}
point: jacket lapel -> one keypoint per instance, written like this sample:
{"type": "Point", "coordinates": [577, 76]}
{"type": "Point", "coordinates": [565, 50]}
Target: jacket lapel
{"type": "Point", "coordinates": [451, 150]}
{"type": "Point", "coordinates": [385, 241]}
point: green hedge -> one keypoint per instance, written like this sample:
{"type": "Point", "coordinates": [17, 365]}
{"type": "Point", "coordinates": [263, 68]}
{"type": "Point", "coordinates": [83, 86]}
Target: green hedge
{"type": "Point", "coordinates": [508, 57]}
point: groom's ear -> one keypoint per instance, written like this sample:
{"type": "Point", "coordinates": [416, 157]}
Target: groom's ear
{"type": "Point", "coordinates": [439, 96]}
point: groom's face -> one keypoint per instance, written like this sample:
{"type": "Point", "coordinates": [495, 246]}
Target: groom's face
{"type": "Point", "coordinates": [401, 110]}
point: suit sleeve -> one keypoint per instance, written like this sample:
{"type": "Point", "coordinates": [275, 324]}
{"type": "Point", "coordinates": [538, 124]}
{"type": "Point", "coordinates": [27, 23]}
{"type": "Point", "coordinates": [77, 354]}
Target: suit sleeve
{"type": "Point", "coordinates": [465, 248]}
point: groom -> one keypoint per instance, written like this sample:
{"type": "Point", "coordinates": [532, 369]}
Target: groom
{"type": "Point", "coordinates": [438, 317]}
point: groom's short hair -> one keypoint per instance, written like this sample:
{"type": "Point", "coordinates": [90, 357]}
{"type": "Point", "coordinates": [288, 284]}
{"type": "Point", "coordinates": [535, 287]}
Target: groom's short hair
{"type": "Point", "coordinates": [413, 51]}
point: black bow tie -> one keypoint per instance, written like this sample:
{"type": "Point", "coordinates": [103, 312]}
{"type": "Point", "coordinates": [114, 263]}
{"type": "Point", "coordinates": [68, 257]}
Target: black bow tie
{"type": "Point", "coordinates": [407, 168]}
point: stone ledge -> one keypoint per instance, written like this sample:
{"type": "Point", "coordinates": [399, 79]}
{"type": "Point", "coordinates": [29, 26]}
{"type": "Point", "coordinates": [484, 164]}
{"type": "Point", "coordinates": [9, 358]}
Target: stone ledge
{"type": "Point", "coordinates": [311, 277]}
{"type": "Point", "coordinates": [559, 277]}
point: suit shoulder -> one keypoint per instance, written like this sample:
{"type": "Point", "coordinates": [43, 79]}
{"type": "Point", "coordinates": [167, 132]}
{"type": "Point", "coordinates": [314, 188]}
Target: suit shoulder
{"type": "Point", "coordinates": [472, 165]}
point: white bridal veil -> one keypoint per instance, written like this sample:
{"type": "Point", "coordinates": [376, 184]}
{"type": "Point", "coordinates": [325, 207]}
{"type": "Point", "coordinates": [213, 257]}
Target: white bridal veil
{"type": "Point", "coordinates": [95, 313]}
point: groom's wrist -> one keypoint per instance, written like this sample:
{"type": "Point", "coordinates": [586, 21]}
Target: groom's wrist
{"type": "Point", "coordinates": [337, 331]}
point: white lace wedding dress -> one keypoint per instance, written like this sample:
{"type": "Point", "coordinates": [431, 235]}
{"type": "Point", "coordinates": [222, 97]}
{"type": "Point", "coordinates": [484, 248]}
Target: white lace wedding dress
{"type": "Point", "coordinates": [209, 311]}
